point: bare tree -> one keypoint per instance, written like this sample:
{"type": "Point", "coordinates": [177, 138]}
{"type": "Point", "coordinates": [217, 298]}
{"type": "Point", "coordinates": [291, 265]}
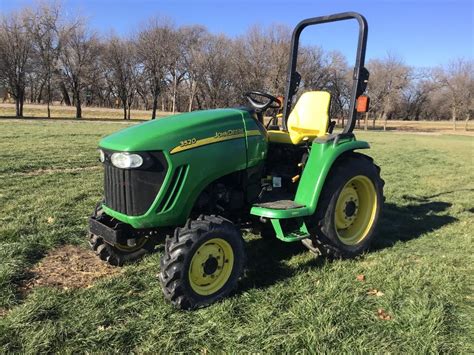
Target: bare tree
{"type": "Point", "coordinates": [176, 65]}
{"type": "Point", "coordinates": [389, 77]}
{"type": "Point", "coordinates": [338, 79]}
{"type": "Point", "coordinates": [192, 51]}
{"type": "Point", "coordinates": [457, 78]}
{"type": "Point", "coordinates": [416, 98]}
{"type": "Point", "coordinates": [260, 59]}
{"type": "Point", "coordinates": [120, 68]}
{"type": "Point", "coordinates": [16, 49]}
{"type": "Point", "coordinates": [312, 65]}
{"type": "Point", "coordinates": [152, 46]}
{"type": "Point", "coordinates": [45, 32]}
{"type": "Point", "coordinates": [216, 87]}
{"type": "Point", "coordinates": [78, 61]}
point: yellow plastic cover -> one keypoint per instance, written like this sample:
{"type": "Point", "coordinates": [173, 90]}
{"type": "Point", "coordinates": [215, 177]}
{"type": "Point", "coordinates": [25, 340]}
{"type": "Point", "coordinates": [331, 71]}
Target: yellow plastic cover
{"type": "Point", "coordinates": [309, 119]}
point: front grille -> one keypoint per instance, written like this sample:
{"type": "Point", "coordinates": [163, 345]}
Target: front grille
{"type": "Point", "coordinates": [132, 191]}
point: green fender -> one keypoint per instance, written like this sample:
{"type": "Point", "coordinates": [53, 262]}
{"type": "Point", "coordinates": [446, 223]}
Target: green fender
{"type": "Point", "coordinates": [320, 161]}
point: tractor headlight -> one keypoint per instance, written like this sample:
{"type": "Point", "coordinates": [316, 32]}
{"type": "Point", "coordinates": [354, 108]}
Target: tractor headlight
{"type": "Point", "coordinates": [126, 160]}
{"type": "Point", "coordinates": [101, 156]}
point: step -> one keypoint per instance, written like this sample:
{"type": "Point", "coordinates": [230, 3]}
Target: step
{"type": "Point", "coordinates": [279, 205]}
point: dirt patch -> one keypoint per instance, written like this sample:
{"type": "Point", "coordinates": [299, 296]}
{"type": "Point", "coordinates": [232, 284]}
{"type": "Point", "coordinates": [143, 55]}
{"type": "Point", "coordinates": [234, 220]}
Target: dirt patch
{"type": "Point", "coordinates": [68, 267]}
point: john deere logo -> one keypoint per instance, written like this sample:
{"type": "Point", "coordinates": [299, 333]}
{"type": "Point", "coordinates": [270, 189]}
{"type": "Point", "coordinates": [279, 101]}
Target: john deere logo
{"type": "Point", "coordinates": [228, 133]}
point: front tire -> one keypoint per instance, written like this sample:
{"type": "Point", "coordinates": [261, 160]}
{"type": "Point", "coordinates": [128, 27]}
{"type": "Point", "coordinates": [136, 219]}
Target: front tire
{"type": "Point", "coordinates": [348, 209]}
{"type": "Point", "coordinates": [202, 262]}
{"type": "Point", "coordinates": [118, 254]}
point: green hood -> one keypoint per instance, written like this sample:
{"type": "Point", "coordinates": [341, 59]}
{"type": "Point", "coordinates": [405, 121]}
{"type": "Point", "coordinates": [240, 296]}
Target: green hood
{"type": "Point", "coordinates": [169, 132]}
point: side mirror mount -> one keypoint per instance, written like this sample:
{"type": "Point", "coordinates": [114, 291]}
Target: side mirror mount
{"type": "Point", "coordinates": [362, 103]}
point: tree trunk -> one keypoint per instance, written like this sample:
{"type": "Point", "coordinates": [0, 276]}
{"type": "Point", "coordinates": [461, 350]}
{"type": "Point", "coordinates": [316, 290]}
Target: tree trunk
{"type": "Point", "coordinates": [129, 109]}
{"type": "Point", "coordinates": [454, 117]}
{"type": "Point", "coordinates": [39, 96]}
{"type": "Point", "coordinates": [49, 97]}
{"type": "Point", "coordinates": [155, 105]}
{"type": "Point", "coordinates": [17, 107]}
{"type": "Point", "coordinates": [78, 106]}
{"type": "Point", "coordinates": [366, 121]}
{"type": "Point", "coordinates": [198, 102]}
{"type": "Point", "coordinates": [65, 94]}
{"type": "Point", "coordinates": [384, 118]}
{"type": "Point", "coordinates": [468, 117]}
{"type": "Point", "coordinates": [32, 93]}
{"type": "Point", "coordinates": [22, 101]}
{"type": "Point", "coordinates": [175, 85]}
{"type": "Point", "coordinates": [124, 111]}
{"type": "Point", "coordinates": [191, 95]}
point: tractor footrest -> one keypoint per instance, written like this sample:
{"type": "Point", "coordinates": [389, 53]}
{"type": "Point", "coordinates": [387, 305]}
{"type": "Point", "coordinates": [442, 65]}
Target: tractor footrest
{"type": "Point", "coordinates": [280, 205]}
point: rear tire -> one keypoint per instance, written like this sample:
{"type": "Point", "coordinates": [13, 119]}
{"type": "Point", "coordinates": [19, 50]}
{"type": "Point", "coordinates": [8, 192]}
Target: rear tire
{"type": "Point", "coordinates": [202, 262]}
{"type": "Point", "coordinates": [348, 209]}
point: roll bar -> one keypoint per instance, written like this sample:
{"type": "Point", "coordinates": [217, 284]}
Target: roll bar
{"type": "Point", "coordinates": [360, 75]}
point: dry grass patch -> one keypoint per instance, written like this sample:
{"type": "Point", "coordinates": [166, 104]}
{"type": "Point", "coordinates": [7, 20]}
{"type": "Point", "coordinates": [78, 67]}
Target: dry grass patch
{"type": "Point", "coordinates": [68, 267]}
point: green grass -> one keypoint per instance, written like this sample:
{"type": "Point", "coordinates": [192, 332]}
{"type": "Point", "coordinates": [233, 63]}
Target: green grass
{"type": "Point", "coordinates": [288, 300]}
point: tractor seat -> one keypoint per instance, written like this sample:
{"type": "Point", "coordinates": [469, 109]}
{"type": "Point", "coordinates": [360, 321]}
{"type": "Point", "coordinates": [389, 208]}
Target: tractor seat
{"type": "Point", "coordinates": [309, 119]}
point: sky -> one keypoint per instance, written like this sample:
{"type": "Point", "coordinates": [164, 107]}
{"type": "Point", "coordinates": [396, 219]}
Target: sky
{"type": "Point", "coordinates": [423, 33]}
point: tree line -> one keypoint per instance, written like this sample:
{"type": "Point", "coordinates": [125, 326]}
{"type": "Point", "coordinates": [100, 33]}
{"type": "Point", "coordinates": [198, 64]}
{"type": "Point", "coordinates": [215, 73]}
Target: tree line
{"type": "Point", "coordinates": [46, 57]}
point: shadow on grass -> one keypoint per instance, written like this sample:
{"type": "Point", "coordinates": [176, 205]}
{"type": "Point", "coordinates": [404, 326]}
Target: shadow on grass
{"type": "Point", "coordinates": [404, 223]}
{"type": "Point", "coordinates": [266, 262]}
{"type": "Point", "coordinates": [266, 266]}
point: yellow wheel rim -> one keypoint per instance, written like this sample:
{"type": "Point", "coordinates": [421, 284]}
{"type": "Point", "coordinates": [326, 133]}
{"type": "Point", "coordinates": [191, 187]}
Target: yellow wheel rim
{"type": "Point", "coordinates": [211, 266]}
{"type": "Point", "coordinates": [356, 208]}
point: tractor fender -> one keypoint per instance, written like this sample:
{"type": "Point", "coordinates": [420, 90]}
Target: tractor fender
{"type": "Point", "coordinates": [321, 160]}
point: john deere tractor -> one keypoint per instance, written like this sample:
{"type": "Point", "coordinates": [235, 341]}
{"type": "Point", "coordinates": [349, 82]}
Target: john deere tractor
{"type": "Point", "coordinates": [199, 177]}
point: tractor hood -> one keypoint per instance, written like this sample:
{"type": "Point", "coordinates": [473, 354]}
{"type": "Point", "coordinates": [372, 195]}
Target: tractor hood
{"type": "Point", "coordinates": [175, 131]}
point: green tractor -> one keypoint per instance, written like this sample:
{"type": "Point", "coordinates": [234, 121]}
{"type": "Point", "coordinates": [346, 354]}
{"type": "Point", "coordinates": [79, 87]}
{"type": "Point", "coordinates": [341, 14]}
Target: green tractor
{"type": "Point", "coordinates": [198, 178]}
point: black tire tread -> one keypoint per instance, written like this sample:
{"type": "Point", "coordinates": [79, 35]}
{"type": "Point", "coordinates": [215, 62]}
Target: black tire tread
{"type": "Point", "coordinates": [319, 239]}
{"type": "Point", "coordinates": [172, 274]}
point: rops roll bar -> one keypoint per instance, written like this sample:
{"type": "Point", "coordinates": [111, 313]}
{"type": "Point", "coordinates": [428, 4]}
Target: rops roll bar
{"type": "Point", "coordinates": [360, 75]}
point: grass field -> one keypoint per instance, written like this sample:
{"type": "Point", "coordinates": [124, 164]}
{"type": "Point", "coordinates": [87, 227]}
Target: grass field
{"type": "Point", "coordinates": [415, 294]}
{"type": "Point", "coordinates": [95, 113]}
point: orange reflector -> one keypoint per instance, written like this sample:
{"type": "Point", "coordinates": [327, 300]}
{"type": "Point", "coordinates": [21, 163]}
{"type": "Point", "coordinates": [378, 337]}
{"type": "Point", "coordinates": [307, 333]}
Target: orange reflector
{"type": "Point", "coordinates": [362, 103]}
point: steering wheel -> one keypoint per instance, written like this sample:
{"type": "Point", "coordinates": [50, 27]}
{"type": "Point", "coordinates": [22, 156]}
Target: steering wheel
{"type": "Point", "coordinates": [272, 101]}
